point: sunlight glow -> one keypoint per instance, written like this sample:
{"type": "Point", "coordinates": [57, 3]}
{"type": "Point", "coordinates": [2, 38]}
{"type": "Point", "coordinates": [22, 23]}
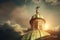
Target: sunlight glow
{"type": "Point", "coordinates": [46, 27]}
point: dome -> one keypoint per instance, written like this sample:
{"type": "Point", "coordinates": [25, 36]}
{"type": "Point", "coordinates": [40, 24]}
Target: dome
{"type": "Point", "coordinates": [37, 16]}
{"type": "Point", "coordinates": [36, 31]}
{"type": "Point", "coordinates": [35, 34]}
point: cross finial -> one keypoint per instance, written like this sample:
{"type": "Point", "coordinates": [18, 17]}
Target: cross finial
{"type": "Point", "coordinates": [37, 8]}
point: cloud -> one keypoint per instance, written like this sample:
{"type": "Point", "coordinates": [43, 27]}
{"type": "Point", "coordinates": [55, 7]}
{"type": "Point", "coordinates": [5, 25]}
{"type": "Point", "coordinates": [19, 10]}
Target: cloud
{"type": "Point", "coordinates": [55, 29]}
{"type": "Point", "coordinates": [15, 10]}
{"type": "Point", "coordinates": [36, 1]}
{"type": "Point", "coordinates": [6, 7]}
{"type": "Point", "coordinates": [21, 15]}
{"type": "Point", "coordinates": [16, 27]}
{"type": "Point", "coordinates": [19, 12]}
{"type": "Point", "coordinates": [53, 2]}
{"type": "Point", "coordinates": [5, 10]}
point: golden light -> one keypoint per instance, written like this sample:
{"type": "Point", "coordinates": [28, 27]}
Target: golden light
{"type": "Point", "coordinates": [46, 27]}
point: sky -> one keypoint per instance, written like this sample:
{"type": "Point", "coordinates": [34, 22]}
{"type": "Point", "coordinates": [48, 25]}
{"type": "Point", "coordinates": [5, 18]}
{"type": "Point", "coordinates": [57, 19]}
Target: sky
{"type": "Point", "coordinates": [21, 11]}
